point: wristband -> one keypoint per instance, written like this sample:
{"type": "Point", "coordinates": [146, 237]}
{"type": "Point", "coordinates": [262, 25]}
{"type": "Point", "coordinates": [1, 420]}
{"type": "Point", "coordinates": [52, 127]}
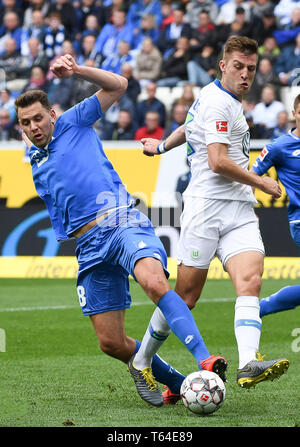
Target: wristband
{"type": "Point", "coordinates": [161, 148]}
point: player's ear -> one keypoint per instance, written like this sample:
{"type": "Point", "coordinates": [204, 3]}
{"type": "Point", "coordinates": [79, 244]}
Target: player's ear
{"type": "Point", "coordinates": [222, 65]}
{"type": "Point", "coordinates": [53, 116]}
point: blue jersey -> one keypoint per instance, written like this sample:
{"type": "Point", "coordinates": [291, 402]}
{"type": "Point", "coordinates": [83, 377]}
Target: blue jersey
{"type": "Point", "coordinates": [73, 175]}
{"type": "Point", "coordinates": [284, 154]}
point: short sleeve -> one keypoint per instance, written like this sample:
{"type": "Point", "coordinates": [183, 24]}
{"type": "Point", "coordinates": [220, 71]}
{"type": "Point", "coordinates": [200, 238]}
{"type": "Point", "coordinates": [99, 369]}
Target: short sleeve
{"type": "Point", "coordinates": [85, 113]}
{"type": "Point", "coordinates": [218, 124]}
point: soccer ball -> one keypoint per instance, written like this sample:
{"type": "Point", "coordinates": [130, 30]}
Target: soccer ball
{"type": "Point", "coordinates": [203, 392]}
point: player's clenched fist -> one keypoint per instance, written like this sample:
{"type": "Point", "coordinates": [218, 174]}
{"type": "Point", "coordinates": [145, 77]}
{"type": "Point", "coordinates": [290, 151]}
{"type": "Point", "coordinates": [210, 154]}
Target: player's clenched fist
{"type": "Point", "coordinates": [64, 66]}
{"type": "Point", "coordinates": [271, 187]}
{"type": "Point", "coordinates": [150, 146]}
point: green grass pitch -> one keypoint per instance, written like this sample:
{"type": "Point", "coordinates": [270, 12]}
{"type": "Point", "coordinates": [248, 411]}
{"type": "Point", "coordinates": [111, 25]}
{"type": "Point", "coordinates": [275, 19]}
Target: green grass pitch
{"type": "Point", "coordinates": [52, 370]}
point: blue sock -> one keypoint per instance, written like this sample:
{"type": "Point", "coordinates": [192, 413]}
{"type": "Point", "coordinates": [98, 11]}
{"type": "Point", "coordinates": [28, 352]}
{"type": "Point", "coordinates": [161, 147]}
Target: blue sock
{"type": "Point", "coordinates": [165, 373]}
{"type": "Point", "coordinates": [182, 323]}
{"type": "Point", "coordinates": [284, 299]}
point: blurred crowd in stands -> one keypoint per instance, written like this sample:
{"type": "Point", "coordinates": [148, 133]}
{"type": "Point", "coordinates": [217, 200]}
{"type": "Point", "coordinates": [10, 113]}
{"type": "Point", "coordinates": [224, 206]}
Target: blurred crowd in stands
{"type": "Point", "coordinates": [157, 46]}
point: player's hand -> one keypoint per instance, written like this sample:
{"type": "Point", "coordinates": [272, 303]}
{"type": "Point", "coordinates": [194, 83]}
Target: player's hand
{"type": "Point", "coordinates": [150, 145]}
{"type": "Point", "coordinates": [26, 140]}
{"type": "Point", "coordinates": [64, 67]}
{"type": "Point", "coordinates": [270, 186]}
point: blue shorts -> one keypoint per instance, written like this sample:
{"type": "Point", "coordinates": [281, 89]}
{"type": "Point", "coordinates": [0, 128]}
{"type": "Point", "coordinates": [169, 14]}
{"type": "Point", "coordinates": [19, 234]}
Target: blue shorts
{"type": "Point", "coordinates": [107, 254]}
{"type": "Point", "coordinates": [295, 232]}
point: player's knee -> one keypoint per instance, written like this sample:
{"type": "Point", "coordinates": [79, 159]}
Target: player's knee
{"type": "Point", "coordinates": [111, 347]}
{"type": "Point", "coordinates": [250, 285]}
{"type": "Point", "coordinates": [155, 286]}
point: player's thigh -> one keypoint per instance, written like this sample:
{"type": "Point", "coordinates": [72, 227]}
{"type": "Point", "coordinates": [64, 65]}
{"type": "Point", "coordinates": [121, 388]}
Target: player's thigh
{"type": "Point", "coordinates": [189, 283]}
{"type": "Point", "coordinates": [103, 288]}
{"type": "Point", "coordinates": [199, 234]}
{"type": "Point", "coordinates": [150, 275]}
{"type": "Point", "coordinates": [240, 232]}
{"type": "Point", "coordinates": [245, 270]}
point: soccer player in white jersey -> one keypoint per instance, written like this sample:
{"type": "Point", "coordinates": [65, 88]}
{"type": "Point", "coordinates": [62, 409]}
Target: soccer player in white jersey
{"type": "Point", "coordinates": [218, 217]}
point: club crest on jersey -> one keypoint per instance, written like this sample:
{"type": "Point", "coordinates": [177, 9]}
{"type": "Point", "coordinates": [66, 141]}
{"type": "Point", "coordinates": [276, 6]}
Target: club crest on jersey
{"type": "Point", "coordinates": [222, 126]}
{"type": "Point", "coordinates": [246, 144]}
{"type": "Point", "coordinates": [263, 154]}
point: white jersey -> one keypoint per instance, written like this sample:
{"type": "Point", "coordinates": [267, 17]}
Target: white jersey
{"type": "Point", "coordinates": [217, 116]}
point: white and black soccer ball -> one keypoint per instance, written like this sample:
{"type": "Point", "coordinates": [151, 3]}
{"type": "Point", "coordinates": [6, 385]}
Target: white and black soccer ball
{"type": "Point", "coordinates": [203, 392]}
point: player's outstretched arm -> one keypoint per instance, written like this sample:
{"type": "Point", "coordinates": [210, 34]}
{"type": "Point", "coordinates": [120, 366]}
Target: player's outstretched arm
{"type": "Point", "coordinates": [151, 146]}
{"type": "Point", "coordinates": [221, 163]}
{"type": "Point", "coordinates": [111, 86]}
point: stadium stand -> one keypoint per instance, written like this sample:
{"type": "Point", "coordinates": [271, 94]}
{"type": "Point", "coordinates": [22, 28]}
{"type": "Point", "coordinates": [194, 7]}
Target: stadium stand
{"type": "Point", "coordinates": [108, 22]}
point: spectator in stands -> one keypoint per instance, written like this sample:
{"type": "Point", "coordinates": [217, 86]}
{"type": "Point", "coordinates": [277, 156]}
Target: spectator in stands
{"type": "Point", "coordinates": [171, 33]}
{"type": "Point", "coordinates": [111, 5]}
{"type": "Point", "coordinates": [107, 124]}
{"type": "Point", "coordinates": [151, 103]}
{"type": "Point", "coordinates": [115, 61]}
{"type": "Point", "coordinates": [68, 17]}
{"type": "Point", "coordinates": [195, 7]}
{"type": "Point", "coordinates": [282, 127]}
{"type": "Point", "coordinates": [178, 115]}
{"type": "Point", "coordinates": [124, 129]}
{"type": "Point", "coordinates": [112, 33]}
{"type": "Point", "coordinates": [86, 51]}
{"type": "Point", "coordinates": [37, 80]}
{"type": "Point", "coordinates": [259, 7]}
{"type": "Point", "coordinates": [204, 33]}
{"type": "Point", "coordinates": [8, 102]}
{"type": "Point", "coordinates": [148, 29]}
{"type": "Point", "coordinates": [148, 63]}
{"type": "Point", "coordinates": [265, 112]}
{"type": "Point", "coordinates": [239, 26]}
{"type": "Point", "coordinates": [287, 33]}
{"type": "Point", "coordinates": [269, 49]}
{"type": "Point", "coordinates": [54, 36]}
{"type": "Point", "coordinates": [10, 28]}
{"type": "Point", "coordinates": [167, 14]}
{"type": "Point", "coordinates": [187, 98]}
{"type": "Point", "coordinates": [227, 13]}
{"type": "Point", "coordinates": [137, 10]}
{"type": "Point", "coordinates": [202, 68]}
{"type": "Point", "coordinates": [174, 67]}
{"type": "Point", "coordinates": [91, 26]}
{"type": "Point", "coordinates": [35, 57]}
{"type": "Point", "coordinates": [11, 6]}
{"type": "Point", "coordinates": [37, 29]}
{"type": "Point", "coordinates": [90, 7]}
{"type": "Point", "coordinates": [35, 5]}
{"type": "Point", "coordinates": [152, 129]}
{"type": "Point", "coordinates": [265, 74]}
{"type": "Point", "coordinates": [264, 27]}
{"type": "Point", "coordinates": [283, 11]}
{"type": "Point", "coordinates": [8, 127]}
{"type": "Point", "coordinates": [10, 59]}
{"type": "Point", "coordinates": [288, 63]}
{"type": "Point", "coordinates": [133, 88]}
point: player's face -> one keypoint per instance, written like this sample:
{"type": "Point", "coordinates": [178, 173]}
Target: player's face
{"type": "Point", "coordinates": [238, 71]}
{"type": "Point", "coordinates": [37, 123]}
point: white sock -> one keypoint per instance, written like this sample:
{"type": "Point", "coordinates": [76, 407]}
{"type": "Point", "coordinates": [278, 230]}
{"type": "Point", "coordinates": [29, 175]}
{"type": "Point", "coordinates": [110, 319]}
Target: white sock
{"type": "Point", "coordinates": [247, 328]}
{"type": "Point", "coordinates": [156, 333]}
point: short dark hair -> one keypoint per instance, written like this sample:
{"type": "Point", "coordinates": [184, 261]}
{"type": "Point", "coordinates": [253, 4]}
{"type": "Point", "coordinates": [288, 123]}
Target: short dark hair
{"type": "Point", "coordinates": [30, 97]}
{"type": "Point", "coordinates": [243, 44]}
{"type": "Point", "coordinates": [296, 101]}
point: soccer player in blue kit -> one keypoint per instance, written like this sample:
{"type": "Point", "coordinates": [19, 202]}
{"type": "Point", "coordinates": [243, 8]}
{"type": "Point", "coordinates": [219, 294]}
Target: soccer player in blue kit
{"type": "Point", "coordinates": [284, 154]}
{"type": "Point", "coordinates": [87, 200]}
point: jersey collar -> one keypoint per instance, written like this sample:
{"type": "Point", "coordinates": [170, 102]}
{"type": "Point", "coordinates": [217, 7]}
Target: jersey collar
{"type": "Point", "coordinates": [218, 84]}
{"type": "Point", "coordinates": [293, 135]}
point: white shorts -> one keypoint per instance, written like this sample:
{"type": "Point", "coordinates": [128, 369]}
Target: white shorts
{"type": "Point", "coordinates": [221, 228]}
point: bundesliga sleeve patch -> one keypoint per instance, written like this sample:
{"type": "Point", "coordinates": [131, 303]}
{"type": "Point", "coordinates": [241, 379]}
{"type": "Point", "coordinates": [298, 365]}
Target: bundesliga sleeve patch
{"type": "Point", "coordinates": [222, 126]}
{"type": "Point", "coordinates": [263, 153]}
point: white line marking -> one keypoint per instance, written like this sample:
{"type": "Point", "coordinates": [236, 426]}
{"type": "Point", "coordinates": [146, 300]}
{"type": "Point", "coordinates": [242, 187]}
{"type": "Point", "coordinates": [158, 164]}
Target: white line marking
{"type": "Point", "coordinates": [136, 303]}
